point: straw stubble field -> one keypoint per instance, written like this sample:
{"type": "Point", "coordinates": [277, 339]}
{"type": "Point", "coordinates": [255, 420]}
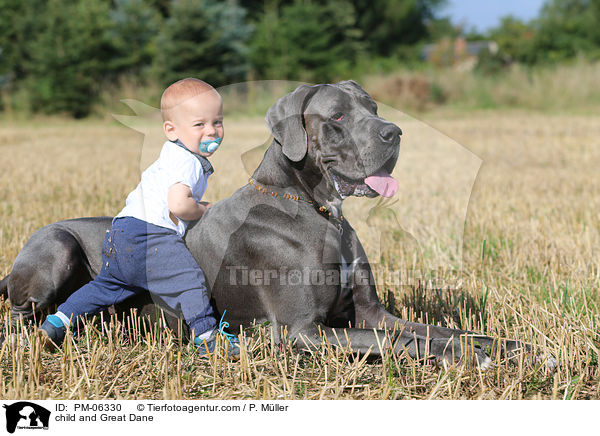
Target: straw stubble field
{"type": "Point", "coordinates": [522, 262]}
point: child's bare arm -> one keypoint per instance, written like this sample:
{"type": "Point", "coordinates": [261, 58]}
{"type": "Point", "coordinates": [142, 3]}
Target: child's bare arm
{"type": "Point", "coordinates": [182, 204]}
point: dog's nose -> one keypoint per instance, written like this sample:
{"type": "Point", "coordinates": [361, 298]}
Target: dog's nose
{"type": "Point", "coordinates": [389, 133]}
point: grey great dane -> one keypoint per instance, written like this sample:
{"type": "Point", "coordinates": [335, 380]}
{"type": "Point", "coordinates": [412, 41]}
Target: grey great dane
{"type": "Point", "coordinates": [279, 250]}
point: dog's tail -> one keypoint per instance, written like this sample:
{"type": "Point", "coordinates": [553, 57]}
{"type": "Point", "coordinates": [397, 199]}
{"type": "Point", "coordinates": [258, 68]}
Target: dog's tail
{"type": "Point", "coordinates": [4, 287]}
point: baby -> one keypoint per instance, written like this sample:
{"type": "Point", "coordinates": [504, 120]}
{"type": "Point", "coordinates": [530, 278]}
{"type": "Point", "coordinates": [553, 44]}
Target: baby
{"type": "Point", "coordinates": [144, 250]}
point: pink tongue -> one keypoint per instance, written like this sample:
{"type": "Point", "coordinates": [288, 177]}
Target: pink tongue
{"type": "Point", "coordinates": [382, 183]}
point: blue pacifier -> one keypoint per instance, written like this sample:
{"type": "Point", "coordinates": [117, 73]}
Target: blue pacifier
{"type": "Point", "coordinates": [210, 146]}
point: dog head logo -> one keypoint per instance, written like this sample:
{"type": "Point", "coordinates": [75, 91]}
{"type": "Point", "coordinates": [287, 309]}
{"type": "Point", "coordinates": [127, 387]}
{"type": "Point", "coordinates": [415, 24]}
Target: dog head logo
{"type": "Point", "coordinates": [26, 415]}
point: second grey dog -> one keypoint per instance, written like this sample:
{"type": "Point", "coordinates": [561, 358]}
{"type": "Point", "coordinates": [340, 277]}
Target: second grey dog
{"type": "Point", "coordinates": [278, 250]}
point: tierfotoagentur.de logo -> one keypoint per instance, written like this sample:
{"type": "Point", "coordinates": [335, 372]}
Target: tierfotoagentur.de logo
{"type": "Point", "coordinates": [24, 415]}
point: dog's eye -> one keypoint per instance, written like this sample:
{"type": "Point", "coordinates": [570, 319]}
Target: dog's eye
{"type": "Point", "coordinates": [338, 116]}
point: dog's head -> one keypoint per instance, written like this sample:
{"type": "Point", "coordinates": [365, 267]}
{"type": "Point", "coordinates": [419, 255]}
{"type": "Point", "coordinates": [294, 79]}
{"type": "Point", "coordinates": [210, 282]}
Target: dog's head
{"type": "Point", "coordinates": [336, 130]}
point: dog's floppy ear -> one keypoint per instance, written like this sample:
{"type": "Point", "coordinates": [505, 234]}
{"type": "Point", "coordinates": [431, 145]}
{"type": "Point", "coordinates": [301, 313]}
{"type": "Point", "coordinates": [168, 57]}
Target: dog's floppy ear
{"type": "Point", "coordinates": [285, 120]}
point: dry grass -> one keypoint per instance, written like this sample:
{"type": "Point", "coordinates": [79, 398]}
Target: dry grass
{"type": "Point", "coordinates": [573, 87]}
{"type": "Point", "coordinates": [534, 203]}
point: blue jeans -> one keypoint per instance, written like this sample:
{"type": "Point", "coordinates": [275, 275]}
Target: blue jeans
{"type": "Point", "coordinates": [136, 257]}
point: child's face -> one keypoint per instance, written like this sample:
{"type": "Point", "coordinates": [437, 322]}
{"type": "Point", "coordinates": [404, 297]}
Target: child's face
{"type": "Point", "coordinates": [195, 120]}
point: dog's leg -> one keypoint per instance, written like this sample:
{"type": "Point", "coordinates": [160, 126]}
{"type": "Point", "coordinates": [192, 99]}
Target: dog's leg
{"type": "Point", "coordinates": [375, 342]}
{"type": "Point", "coordinates": [370, 313]}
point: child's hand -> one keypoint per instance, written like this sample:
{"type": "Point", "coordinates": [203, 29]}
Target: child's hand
{"type": "Point", "coordinates": [205, 205]}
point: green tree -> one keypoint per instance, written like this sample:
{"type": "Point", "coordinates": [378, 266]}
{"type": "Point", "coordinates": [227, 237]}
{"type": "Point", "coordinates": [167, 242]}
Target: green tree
{"type": "Point", "coordinates": [515, 39]}
{"type": "Point", "coordinates": [306, 41]}
{"type": "Point", "coordinates": [204, 39]}
{"type": "Point", "coordinates": [257, 8]}
{"type": "Point", "coordinates": [133, 30]}
{"type": "Point", "coordinates": [567, 28]}
{"type": "Point", "coordinates": [393, 27]}
{"type": "Point", "coordinates": [69, 56]}
{"type": "Point", "coordinates": [18, 24]}
{"type": "Point", "coordinates": [444, 28]}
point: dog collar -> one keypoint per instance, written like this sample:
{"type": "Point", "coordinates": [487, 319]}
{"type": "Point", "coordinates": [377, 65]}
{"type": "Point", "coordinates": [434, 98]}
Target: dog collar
{"type": "Point", "coordinates": [322, 209]}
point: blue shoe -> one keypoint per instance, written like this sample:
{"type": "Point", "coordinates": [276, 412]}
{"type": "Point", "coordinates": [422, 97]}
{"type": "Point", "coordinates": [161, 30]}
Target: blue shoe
{"type": "Point", "coordinates": [207, 346]}
{"type": "Point", "coordinates": [53, 332]}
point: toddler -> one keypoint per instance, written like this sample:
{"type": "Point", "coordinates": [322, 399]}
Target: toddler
{"type": "Point", "coordinates": [144, 250]}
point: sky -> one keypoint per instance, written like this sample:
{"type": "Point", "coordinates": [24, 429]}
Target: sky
{"type": "Point", "coordinates": [485, 14]}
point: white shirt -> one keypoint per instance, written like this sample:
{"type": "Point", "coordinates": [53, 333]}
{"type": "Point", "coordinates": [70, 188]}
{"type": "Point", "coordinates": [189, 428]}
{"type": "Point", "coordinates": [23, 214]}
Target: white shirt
{"type": "Point", "coordinates": [148, 201]}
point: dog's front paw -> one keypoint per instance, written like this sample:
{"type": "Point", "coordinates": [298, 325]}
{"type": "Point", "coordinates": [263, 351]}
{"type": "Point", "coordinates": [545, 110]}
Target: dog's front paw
{"type": "Point", "coordinates": [513, 350]}
{"type": "Point", "coordinates": [458, 351]}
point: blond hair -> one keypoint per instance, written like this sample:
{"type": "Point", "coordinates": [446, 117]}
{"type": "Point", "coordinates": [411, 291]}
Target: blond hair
{"type": "Point", "coordinates": [180, 91]}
